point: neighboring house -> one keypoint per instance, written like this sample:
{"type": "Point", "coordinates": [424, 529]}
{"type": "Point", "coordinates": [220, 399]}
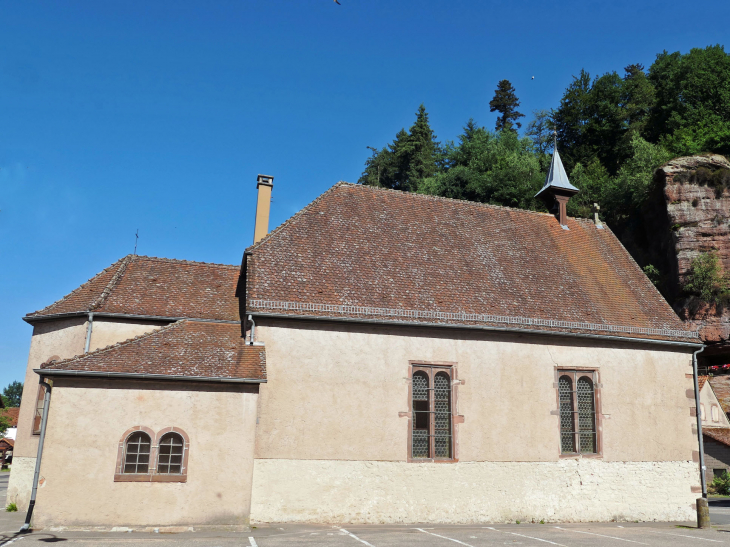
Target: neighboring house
{"type": "Point", "coordinates": [402, 358]}
{"type": "Point", "coordinates": [12, 413]}
{"type": "Point", "coordinates": [714, 396]}
{"type": "Point", "coordinates": [721, 388]}
{"type": "Point", "coordinates": [6, 452]}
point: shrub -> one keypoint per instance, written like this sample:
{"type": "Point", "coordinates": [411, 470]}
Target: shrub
{"type": "Point", "coordinates": [11, 508]}
{"type": "Point", "coordinates": [653, 274]}
{"type": "Point", "coordinates": [706, 278]}
{"type": "Point", "coordinates": [721, 484]}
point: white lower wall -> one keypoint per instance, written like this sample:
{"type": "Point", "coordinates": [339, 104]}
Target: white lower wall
{"type": "Point", "coordinates": [467, 492]}
{"type": "Point", "coordinates": [20, 483]}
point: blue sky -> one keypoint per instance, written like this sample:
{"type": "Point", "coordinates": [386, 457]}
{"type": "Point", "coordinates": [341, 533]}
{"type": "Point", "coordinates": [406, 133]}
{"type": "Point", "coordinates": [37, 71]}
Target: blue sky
{"type": "Point", "coordinates": [157, 116]}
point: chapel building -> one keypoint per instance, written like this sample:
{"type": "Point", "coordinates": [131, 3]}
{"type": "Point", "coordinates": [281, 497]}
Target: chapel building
{"type": "Point", "coordinates": [381, 357]}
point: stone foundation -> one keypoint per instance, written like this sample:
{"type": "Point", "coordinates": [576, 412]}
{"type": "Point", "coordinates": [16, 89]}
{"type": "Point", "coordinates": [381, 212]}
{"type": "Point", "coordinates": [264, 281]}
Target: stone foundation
{"type": "Point", "coordinates": [372, 492]}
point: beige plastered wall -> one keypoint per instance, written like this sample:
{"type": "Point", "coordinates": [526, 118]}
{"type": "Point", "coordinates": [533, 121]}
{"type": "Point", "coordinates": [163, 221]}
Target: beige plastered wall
{"type": "Point", "coordinates": [708, 400]}
{"type": "Point", "coordinates": [86, 422]}
{"type": "Point", "coordinates": [331, 442]}
{"type": "Point", "coordinates": [60, 339]}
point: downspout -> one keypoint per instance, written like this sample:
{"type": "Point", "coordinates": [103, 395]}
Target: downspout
{"type": "Point", "coordinates": [36, 476]}
{"type": "Point", "coordinates": [699, 422]}
{"type": "Point", "coordinates": [89, 328]}
{"type": "Point", "coordinates": [252, 336]}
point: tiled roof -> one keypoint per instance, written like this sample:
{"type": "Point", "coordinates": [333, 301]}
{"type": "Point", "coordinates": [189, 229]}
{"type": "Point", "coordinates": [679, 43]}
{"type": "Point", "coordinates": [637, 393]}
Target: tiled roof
{"type": "Point", "coordinates": [10, 442]}
{"type": "Point", "coordinates": [192, 349]}
{"type": "Point", "coordinates": [721, 387]}
{"type": "Point", "coordinates": [12, 413]}
{"type": "Point", "coordinates": [719, 434]}
{"type": "Point", "coordinates": [364, 252]}
{"type": "Point", "coordinates": [143, 285]}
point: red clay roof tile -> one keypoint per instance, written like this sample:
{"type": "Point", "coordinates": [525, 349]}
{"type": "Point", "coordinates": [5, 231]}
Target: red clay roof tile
{"type": "Point", "coordinates": [142, 285]}
{"type": "Point", "coordinates": [12, 413]}
{"type": "Point", "coordinates": [185, 349]}
{"type": "Point", "coordinates": [719, 434]}
{"type": "Point", "coordinates": [359, 251]}
{"type": "Point", "coordinates": [721, 387]}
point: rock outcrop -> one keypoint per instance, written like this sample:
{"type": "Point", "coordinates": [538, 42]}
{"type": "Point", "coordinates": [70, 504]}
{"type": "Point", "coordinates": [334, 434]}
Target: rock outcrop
{"type": "Point", "coordinates": [697, 194]}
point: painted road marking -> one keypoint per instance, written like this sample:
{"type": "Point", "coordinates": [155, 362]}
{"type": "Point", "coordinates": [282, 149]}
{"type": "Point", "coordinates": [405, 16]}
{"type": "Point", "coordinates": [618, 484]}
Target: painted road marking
{"type": "Point", "coordinates": [528, 537]}
{"type": "Point", "coordinates": [444, 537]}
{"type": "Point", "coordinates": [252, 541]}
{"type": "Point", "coordinates": [353, 536]}
{"type": "Point", "coordinates": [600, 535]}
{"type": "Point", "coordinates": [685, 536]}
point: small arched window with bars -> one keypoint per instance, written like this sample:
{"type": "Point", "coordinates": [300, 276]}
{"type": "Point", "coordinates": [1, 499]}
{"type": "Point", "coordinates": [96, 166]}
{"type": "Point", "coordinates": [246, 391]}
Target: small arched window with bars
{"type": "Point", "coordinates": [578, 417]}
{"type": "Point", "coordinates": [170, 454]}
{"type": "Point", "coordinates": [431, 413]}
{"type": "Point", "coordinates": [137, 453]}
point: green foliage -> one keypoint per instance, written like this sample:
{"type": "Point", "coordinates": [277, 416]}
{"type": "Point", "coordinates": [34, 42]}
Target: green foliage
{"type": "Point", "coordinates": [411, 157]}
{"type": "Point", "coordinates": [540, 131]}
{"type": "Point", "coordinates": [4, 422]}
{"type": "Point", "coordinates": [12, 394]}
{"type": "Point", "coordinates": [497, 168]}
{"type": "Point", "coordinates": [706, 278]}
{"type": "Point", "coordinates": [11, 507]}
{"type": "Point", "coordinates": [653, 274]}
{"type": "Point", "coordinates": [721, 484]}
{"type": "Point", "coordinates": [599, 119]}
{"type": "Point", "coordinates": [505, 102]}
{"type": "Point", "coordinates": [692, 112]}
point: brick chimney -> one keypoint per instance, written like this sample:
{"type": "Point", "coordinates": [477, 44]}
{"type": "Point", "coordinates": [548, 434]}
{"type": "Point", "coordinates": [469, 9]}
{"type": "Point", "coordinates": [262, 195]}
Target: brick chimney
{"type": "Point", "coordinates": [264, 184]}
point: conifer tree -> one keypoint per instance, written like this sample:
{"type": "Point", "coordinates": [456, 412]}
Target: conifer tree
{"type": "Point", "coordinates": [505, 102]}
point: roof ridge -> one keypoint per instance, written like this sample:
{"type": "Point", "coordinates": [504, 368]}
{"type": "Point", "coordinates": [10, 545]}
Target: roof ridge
{"type": "Point", "coordinates": [183, 261]}
{"type": "Point", "coordinates": [112, 283]}
{"type": "Point", "coordinates": [123, 343]}
{"type": "Point", "coordinates": [76, 289]}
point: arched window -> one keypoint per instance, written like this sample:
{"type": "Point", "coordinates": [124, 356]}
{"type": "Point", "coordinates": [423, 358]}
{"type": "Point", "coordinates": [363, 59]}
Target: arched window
{"type": "Point", "coordinates": [421, 416]}
{"type": "Point", "coordinates": [442, 415]}
{"type": "Point", "coordinates": [586, 415]}
{"type": "Point", "coordinates": [137, 453]}
{"type": "Point", "coordinates": [567, 418]}
{"type": "Point", "coordinates": [170, 454]}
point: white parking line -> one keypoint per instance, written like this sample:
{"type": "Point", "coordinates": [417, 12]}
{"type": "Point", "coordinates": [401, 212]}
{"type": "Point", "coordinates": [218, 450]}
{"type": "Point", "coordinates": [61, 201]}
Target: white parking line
{"type": "Point", "coordinates": [444, 537]}
{"type": "Point", "coordinates": [685, 536]}
{"type": "Point", "coordinates": [600, 535]}
{"type": "Point", "coordinates": [353, 536]}
{"type": "Point", "coordinates": [252, 541]}
{"type": "Point", "coordinates": [523, 536]}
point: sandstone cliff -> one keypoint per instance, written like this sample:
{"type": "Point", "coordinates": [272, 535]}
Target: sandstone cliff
{"type": "Point", "coordinates": [698, 210]}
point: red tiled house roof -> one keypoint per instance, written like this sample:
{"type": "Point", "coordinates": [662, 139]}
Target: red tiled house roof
{"type": "Point", "coordinates": [721, 435]}
{"type": "Point", "coordinates": [701, 382]}
{"type": "Point", "coordinates": [185, 350]}
{"type": "Point", "coordinates": [159, 287]}
{"type": "Point", "coordinates": [360, 252]}
{"type": "Point", "coordinates": [12, 413]}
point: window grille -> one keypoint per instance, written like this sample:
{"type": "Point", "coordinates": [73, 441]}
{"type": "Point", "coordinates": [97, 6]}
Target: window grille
{"type": "Point", "coordinates": [170, 454]}
{"type": "Point", "coordinates": [137, 453]}
{"type": "Point", "coordinates": [578, 431]}
{"type": "Point", "coordinates": [431, 407]}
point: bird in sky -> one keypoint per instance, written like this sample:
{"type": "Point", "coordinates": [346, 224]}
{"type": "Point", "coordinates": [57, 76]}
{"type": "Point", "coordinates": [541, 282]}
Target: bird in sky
{"type": "Point", "coordinates": [337, 2]}
{"type": "Point", "coordinates": [533, 77]}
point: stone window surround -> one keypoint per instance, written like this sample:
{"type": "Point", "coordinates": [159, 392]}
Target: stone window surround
{"type": "Point", "coordinates": [151, 475]}
{"type": "Point", "coordinates": [455, 418]}
{"type": "Point", "coordinates": [597, 386]}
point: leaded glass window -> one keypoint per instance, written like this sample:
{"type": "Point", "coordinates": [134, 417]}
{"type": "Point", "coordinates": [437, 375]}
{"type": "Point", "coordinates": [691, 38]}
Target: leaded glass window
{"type": "Point", "coordinates": [577, 396]}
{"type": "Point", "coordinates": [137, 453]}
{"type": "Point", "coordinates": [567, 419]}
{"type": "Point", "coordinates": [170, 454]}
{"type": "Point", "coordinates": [431, 407]}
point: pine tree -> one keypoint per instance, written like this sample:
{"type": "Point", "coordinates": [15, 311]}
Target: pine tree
{"type": "Point", "coordinates": [505, 102]}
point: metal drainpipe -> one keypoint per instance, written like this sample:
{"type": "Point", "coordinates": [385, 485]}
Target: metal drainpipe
{"type": "Point", "coordinates": [36, 476]}
{"type": "Point", "coordinates": [253, 330]}
{"type": "Point", "coordinates": [699, 422]}
{"type": "Point", "coordinates": [89, 328]}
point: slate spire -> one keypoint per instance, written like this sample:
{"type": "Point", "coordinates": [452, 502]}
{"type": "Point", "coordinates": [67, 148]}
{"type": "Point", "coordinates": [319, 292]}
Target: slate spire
{"type": "Point", "coordinates": [557, 189]}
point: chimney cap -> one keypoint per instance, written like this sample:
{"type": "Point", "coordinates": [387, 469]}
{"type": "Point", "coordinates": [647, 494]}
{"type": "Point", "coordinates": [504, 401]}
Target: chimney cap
{"type": "Point", "coordinates": [265, 179]}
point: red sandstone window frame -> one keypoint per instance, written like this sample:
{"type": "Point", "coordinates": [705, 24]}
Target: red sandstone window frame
{"type": "Point", "coordinates": [38, 410]}
{"type": "Point", "coordinates": [152, 475]}
{"type": "Point", "coordinates": [576, 372]}
{"type": "Point", "coordinates": [432, 368]}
